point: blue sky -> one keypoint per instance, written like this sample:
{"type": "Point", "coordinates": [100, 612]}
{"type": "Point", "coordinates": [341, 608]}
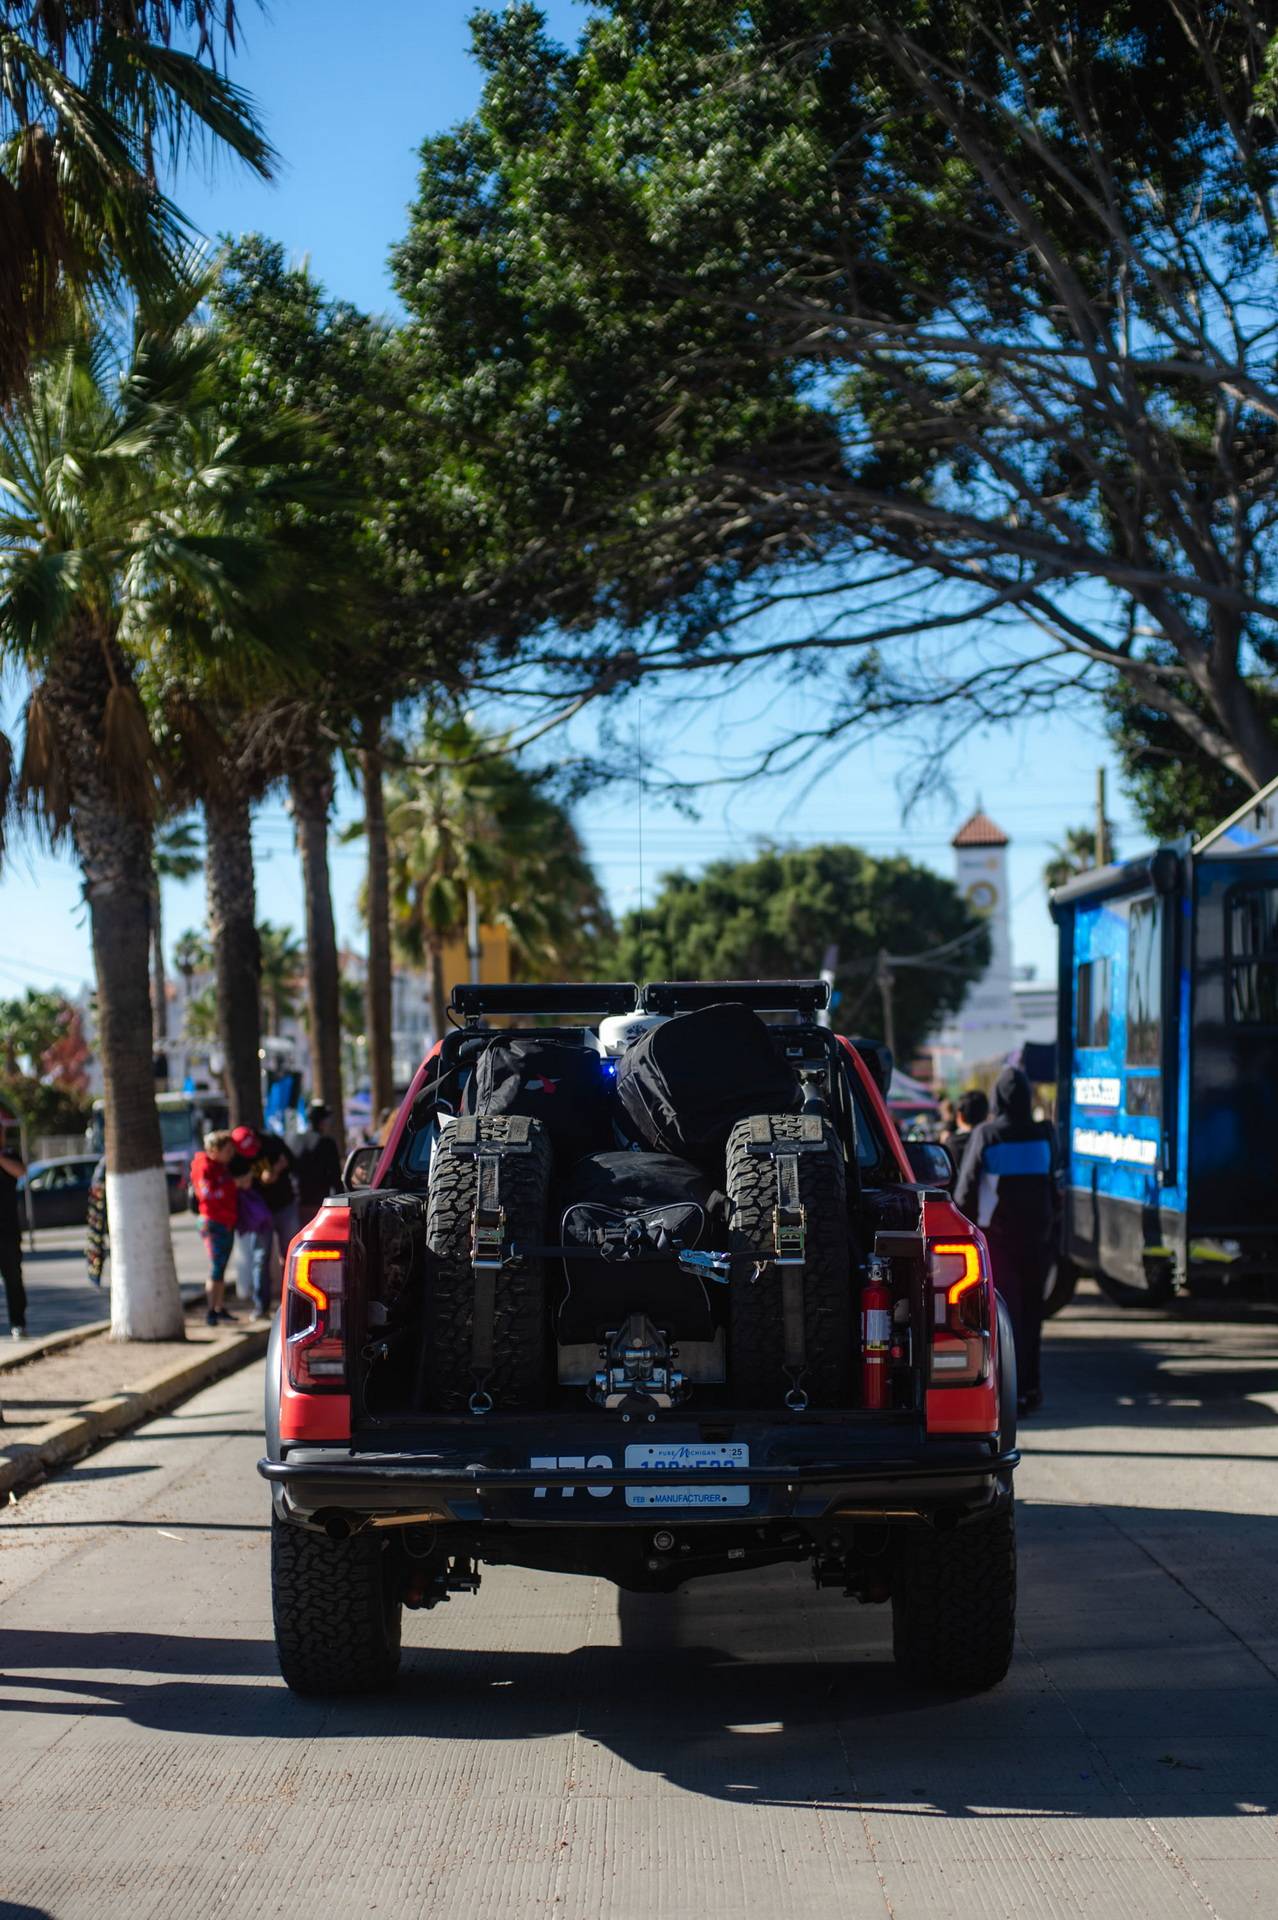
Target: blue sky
{"type": "Point", "coordinates": [347, 96]}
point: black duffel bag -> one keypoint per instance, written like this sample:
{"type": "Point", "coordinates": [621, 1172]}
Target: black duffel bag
{"type": "Point", "coordinates": [567, 1088]}
{"type": "Point", "coordinates": [649, 1204]}
{"type": "Point", "coordinates": [684, 1086]}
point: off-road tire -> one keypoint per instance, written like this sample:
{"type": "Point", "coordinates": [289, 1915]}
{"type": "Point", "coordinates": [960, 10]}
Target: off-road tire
{"type": "Point", "coordinates": [520, 1375]}
{"type": "Point", "coordinates": [954, 1604]}
{"type": "Point", "coordinates": [1062, 1285]}
{"type": "Point", "coordinates": [337, 1613]}
{"type": "Point", "coordinates": [756, 1328]}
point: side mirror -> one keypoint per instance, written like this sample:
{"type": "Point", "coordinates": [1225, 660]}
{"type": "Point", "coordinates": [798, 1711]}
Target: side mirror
{"type": "Point", "coordinates": [360, 1165]}
{"type": "Point", "coordinates": [930, 1163]}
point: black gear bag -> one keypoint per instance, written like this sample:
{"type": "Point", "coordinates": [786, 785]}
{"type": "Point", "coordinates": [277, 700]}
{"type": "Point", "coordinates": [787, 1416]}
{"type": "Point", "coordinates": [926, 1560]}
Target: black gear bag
{"type": "Point", "coordinates": [684, 1086]}
{"type": "Point", "coordinates": [567, 1088]}
{"type": "Point", "coordinates": [630, 1213]}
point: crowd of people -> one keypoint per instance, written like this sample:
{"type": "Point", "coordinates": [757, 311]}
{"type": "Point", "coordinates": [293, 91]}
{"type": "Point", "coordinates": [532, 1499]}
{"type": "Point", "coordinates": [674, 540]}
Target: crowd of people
{"type": "Point", "coordinates": [253, 1193]}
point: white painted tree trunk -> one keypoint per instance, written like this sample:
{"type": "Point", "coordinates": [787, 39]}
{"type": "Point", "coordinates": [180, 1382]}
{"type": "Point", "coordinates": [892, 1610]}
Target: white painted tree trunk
{"type": "Point", "coordinates": [146, 1303]}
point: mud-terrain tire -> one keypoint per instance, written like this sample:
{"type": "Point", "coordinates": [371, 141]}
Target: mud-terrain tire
{"type": "Point", "coordinates": [756, 1328]}
{"type": "Point", "coordinates": [337, 1613]}
{"type": "Point", "coordinates": [954, 1605]}
{"type": "Point", "coordinates": [520, 1375]}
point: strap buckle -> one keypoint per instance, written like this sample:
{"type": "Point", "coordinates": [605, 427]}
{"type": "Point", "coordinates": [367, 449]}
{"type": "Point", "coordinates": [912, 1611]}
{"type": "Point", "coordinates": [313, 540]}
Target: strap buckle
{"type": "Point", "coordinates": [488, 1222]}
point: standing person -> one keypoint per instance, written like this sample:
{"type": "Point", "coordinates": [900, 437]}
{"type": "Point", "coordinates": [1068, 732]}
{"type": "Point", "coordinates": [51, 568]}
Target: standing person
{"type": "Point", "coordinates": [1006, 1186]}
{"type": "Point", "coordinates": [254, 1232]}
{"type": "Point", "coordinates": [15, 1293]}
{"type": "Point", "coordinates": [319, 1165]}
{"type": "Point", "coordinates": [278, 1189]}
{"type": "Point", "coordinates": [218, 1202]}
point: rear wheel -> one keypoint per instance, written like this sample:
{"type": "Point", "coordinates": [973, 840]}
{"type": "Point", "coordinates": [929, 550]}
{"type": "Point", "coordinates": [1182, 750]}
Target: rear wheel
{"type": "Point", "coordinates": [954, 1604]}
{"type": "Point", "coordinates": [756, 1350]}
{"type": "Point", "coordinates": [519, 1375]}
{"type": "Point", "coordinates": [337, 1612]}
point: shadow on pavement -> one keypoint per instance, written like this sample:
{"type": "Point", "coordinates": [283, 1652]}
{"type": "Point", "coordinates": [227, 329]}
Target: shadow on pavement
{"type": "Point", "coordinates": [754, 1690]}
{"type": "Point", "coordinates": [1160, 1376]}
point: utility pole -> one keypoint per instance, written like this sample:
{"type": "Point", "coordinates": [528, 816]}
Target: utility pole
{"type": "Point", "coordinates": [886, 979]}
{"type": "Point", "coordinates": [1104, 853]}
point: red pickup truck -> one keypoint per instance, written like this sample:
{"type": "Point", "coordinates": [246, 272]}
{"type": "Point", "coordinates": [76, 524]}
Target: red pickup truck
{"type": "Point", "coordinates": [786, 1347]}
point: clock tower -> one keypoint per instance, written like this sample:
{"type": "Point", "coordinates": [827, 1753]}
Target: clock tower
{"type": "Point", "coordinates": [986, 1021]}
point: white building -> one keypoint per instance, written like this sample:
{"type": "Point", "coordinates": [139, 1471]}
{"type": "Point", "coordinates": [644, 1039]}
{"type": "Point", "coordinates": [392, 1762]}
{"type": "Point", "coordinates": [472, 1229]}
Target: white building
{"type": "Point", "coordinates": [986, 1026]}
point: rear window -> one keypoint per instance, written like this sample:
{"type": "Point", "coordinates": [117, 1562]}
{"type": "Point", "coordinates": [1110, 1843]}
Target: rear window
{"type": "Point", "coordinates": [1091, 1006]}
{"type": "Point", "coordinates": [1145, 984]}
{"type": "Point", "coordinates": [1253, 956]}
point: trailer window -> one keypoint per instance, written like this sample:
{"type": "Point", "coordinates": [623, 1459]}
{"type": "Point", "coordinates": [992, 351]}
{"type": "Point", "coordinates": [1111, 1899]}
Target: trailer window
{"type": "Point", "coordinates": [1092, 1021]}
{"type": "Point", "coordinates": [1144, 984]}
{"type": "Point", "coordinates": [1253, 956]}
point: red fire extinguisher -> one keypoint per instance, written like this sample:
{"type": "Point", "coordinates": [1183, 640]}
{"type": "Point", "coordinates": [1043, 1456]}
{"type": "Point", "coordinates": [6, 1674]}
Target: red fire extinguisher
{"type": "Point", "coordinates": [876, 1336]}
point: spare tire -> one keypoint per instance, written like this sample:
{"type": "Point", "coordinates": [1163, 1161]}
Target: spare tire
{"type": "Point", "coordinates": [520, 1374]}
{"type": "Point", "coordinates": [756, 1327]}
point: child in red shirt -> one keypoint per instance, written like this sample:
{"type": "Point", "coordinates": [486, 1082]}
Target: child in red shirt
{"type": "Point", "coordinates": [218, 1198]}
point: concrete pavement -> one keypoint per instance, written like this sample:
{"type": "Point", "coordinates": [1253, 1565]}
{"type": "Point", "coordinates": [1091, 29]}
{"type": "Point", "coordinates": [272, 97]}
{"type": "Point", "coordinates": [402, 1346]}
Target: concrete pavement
{"type": "Point", "coordinates": [740, 1749]}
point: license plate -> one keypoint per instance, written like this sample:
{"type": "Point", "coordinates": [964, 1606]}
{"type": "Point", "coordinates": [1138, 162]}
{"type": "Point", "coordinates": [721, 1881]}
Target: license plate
{"type": "Point", "coordinates": [665, 1462]}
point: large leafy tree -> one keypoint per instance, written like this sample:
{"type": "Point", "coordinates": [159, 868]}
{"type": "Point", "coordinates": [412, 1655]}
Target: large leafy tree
{"type": "Point", "coordinates": [930, 342]}
{"type": "Point", "coordinates": [96, 99]}
{"type": "Point", "coordinates": [44, 1061]}
{"type": "Point", "coordinates": [777, 915]}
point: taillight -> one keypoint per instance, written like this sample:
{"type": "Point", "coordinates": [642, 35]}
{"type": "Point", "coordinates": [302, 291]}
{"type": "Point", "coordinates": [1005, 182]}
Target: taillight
{"type": "Point", "coordinates": [315, 1342]}
{"type": "Point", "coordinates": [960, 1354]}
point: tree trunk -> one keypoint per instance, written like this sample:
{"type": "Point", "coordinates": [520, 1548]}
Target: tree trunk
{"type": "Point", "coordinates": [237, 957]}
{"type": "Point", "coordinates": [160, 991]}
{"type": "Point", "coordinates": [378, 985]}
{"type": "Point", "coordinates": [310, 788]}
{"type": "Point", "coordinates": [114, 844]}
{"type": "Point", "coordinates": [437, 985]}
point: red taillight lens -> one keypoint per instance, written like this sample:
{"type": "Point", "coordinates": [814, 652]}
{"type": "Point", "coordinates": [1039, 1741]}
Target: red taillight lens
{"type": "Point", "coordinates": [960, 1355]}
{"type": "Point", "coordinates": [315, 1340]}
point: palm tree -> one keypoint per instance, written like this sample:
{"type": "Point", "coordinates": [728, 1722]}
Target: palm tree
{"type": "Point", "coordinates": [94, 101]}
{"type": "Point", "coordinates": [175, 855]}
{"type": "Point", "coordinates": [1076, 854]}
{"type": "Point", "coordinates": [377, 985]}
{"type": "Point", "coordinates": [310, 801]}
{"type": "Point", "coordinates": [466, 824]}
{"type": "Point", "coordinates": [110, 480]}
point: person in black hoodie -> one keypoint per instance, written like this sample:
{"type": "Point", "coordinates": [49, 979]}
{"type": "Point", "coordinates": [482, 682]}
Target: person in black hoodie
{"type": "Point", "coordinates": [1005, 1186]}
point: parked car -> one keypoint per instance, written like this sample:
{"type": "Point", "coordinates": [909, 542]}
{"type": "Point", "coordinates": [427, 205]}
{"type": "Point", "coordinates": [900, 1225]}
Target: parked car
{"type": "Point", "coordinates": [761, 1333]}
{"type": "Point", "coordinates": [58, 1191]}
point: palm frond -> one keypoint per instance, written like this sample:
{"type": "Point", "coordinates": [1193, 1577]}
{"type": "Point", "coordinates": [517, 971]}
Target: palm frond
{"type": "Point", "coordinates": [44, 783]}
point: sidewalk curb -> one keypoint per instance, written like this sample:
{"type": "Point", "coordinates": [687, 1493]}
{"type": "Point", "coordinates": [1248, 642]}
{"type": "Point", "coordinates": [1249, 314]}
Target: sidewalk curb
{"type": "Point", "coordinates": [59, 1441]}
{"type": "Point", "coordinates": [43, 1343]}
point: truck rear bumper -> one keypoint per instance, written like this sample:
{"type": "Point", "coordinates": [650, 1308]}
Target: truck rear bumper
{"type": "Point", "coordinates": [598, 1485]}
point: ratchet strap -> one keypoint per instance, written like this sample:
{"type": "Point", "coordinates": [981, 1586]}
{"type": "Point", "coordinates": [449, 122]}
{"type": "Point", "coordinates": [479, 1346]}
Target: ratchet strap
{"type": "Point", "coordinates": [487, 1236]}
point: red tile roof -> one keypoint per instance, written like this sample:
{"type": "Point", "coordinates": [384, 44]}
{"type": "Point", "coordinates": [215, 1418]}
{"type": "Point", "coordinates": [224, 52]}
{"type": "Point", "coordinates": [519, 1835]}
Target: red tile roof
{"type": "Point", "coordinates": [980, 831]}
